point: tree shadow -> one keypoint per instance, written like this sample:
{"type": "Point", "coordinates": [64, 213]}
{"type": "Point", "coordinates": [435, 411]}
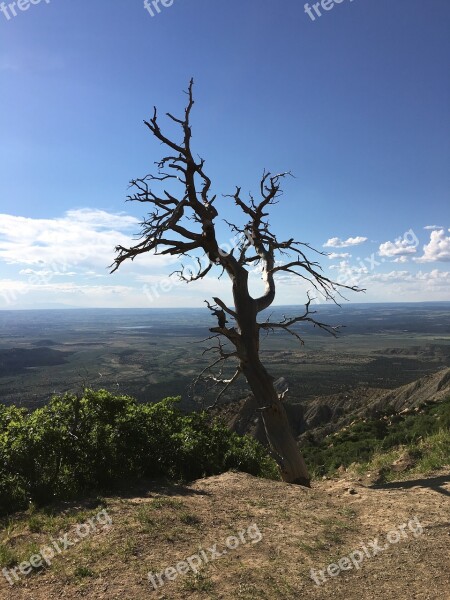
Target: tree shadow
{"type": "Point", "coordinates": [168, 488]}
{"type": "Point", "coordinates": [151, 487]}
{"type": "Point", "coordinates": [433, 483]}
{"type": "Point", "coordinates": [100, 498]}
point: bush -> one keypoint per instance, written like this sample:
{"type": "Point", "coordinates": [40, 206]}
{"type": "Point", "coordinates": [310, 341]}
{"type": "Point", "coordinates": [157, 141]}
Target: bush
{"type": "Point", "coordinates": [96, 441]}
{"type": "Point", "coordinates": [360, 442]}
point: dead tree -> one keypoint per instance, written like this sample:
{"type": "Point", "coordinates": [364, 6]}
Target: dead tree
{"type": "Point", "coordinates": [184, 224]}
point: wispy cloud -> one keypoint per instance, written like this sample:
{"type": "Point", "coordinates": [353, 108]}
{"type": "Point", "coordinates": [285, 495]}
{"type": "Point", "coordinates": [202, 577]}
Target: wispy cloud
{"type": "Point", "coordinates": [406, 286]}
{"type": "Point", "coordinates": [334, 255]}
{"type": "Point", "coordinates": [435, 277]}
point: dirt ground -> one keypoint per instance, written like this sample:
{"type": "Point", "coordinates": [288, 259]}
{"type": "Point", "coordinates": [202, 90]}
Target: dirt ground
{"type": "Point", "coordinates": [389, 541]}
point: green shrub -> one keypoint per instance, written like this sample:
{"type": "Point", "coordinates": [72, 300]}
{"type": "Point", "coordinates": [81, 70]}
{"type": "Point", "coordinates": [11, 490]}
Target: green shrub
{"type": "Point", "coordinates": [75, 444]}
{"type": "Point", "coordinates": [362, 441]}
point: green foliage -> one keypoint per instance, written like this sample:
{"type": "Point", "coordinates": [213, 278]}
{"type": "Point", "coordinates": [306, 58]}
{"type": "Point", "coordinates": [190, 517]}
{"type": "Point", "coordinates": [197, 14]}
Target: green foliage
{"type": "Point", "coordinates": [76, 444]}
{"type": "Point", "coordinates": [83, 572]}
{"type": "Point", "coordinates": [7, 556]}
{"type": "Point", "coordinates": [360, 442]}
{"type": "Point", "coordinates": [429, 454]}
{"type": "Point", "coordinates": [434, 451]}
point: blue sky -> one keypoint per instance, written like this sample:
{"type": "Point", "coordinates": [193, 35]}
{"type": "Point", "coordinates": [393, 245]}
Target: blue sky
{"type": "Point", "coordinates": [354, 103]}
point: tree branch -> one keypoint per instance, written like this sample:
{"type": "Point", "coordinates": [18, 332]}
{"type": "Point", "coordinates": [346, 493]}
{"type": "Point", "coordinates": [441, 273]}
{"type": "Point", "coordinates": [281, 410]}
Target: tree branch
{"type": "Point", "coordinates": [228, 383]}
{"type": "Point", "coordinates": [287, 323]}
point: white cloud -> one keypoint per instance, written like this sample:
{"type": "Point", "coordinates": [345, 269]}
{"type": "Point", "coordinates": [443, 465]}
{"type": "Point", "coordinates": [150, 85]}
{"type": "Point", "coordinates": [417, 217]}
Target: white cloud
{"type": "Point", "coordinates": [44, 274]}
{"type": "Point", "coordinates": [435, 277]}
{"type": "Point", "coordinates": [63, 262]}
{"type": "Point", "coordinates": [82, 239]}
{"type": "Point", "coordinates": [401, 247]}
{"type": "Point", "coordinates": [404, 286]}
{"type": "Point", "coordinates": [342, 265]}
{"type": "Point", "coordinates": [23, 293]}
{"type": "Point", "coordinates": [333, 255]}
{"type": "Point", "coordinates": [433, 227]}
{"type": "Point", "coordinates": [392, 276]}
{"type": "Point", "coordinates": [338, 243]}
{"type": "Point", "coordinates": [101, 219]}
{"type": "Point", "coordinates": [437, 249]}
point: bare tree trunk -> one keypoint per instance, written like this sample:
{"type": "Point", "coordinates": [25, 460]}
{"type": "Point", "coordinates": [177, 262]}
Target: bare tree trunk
{"type": "Point", "coordinates": [279, 434]}
{"type": "Point", "coordinates": [276, 424]}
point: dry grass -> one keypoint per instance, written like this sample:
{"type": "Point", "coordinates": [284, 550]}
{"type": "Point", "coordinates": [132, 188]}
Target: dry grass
{"type": "Point", "coordinates": [301, 529]}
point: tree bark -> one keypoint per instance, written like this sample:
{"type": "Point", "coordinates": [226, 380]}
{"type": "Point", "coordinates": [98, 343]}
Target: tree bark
{"type": "Point", "coordinates": [276, 424]}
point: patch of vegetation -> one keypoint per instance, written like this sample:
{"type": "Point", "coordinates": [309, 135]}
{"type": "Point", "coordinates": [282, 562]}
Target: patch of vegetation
{"type": "Point", "coordinates": [7, 556]}
{"type": "Point", "coordinates": [166, 503]}
{"type": "Point", "coordinates": [198, 582]}
{"type": "Point", "coordinates": [97, 440]}
{"type": "Point", "coordinates": [82, 572]}
{"type": "Point", "coordinates": [189, 519]}
{"type": "Point", "coordinates": [429, 454]}
{"type": "Point", "coordinates": [424, 435]}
